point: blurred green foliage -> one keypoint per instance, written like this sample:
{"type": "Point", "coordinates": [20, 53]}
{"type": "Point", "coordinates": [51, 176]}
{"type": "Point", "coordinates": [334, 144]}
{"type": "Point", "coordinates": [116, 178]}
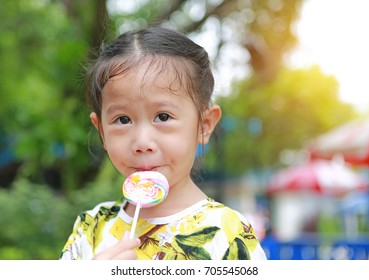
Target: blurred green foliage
{"type": "Point", "coordinates": [261, 122]}
{"type": "Point", "coordinates": [41, 91]}
{"type": "Point", "coordinates": [33, 221]}
{"type": "Point", "coordinates": [36, 221]}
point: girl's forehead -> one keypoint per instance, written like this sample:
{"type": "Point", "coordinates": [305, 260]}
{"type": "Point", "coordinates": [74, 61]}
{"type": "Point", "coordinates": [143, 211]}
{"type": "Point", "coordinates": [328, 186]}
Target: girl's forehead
{"type": "Point", "coordinates": [147, 79]}
{"type": "Point", "coordinates": [161, 72]}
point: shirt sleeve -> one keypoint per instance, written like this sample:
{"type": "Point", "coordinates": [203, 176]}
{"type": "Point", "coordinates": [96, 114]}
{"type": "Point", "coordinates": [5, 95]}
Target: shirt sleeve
{"type": "Point", "coordinates": [242, 240]}
{"type": "Point", "coordinates": [87, 232]}
{"type": "Point", "coordinates": [71, 250]}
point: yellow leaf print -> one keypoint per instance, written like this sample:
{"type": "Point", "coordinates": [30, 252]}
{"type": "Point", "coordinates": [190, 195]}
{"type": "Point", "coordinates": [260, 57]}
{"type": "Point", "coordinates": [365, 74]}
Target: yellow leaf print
{"type": "Point", "coordinates": [193, 221]}
{"type": "Point", "coordinates": [231, 224]}
{"type": "Point", "coordinates": [118, 228]}
{"type": "Point", "coordinates": [141, 255]}
{"type": "Point", "coordinates": [93, 226]}
{"type": "Point", "coordinates": [88, 224]}
{"type": "Point", "coordinates": [237, 251]}
{"type": "Point", "coordinates": [249, 237]}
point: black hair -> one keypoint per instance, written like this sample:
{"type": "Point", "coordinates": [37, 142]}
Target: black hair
{"type": "Point", "coordinates": [162, 47]}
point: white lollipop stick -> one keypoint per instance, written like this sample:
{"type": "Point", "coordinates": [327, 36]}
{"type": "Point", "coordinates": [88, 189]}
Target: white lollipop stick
{"type": "Point", "coordinates": [135, 218]}
{"type": "Point", "coordinates": [144, 189]}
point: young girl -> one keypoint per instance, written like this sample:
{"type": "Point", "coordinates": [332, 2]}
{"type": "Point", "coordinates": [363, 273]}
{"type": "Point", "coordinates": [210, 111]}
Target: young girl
{"type": "Point", "coordinates": [150, 93]}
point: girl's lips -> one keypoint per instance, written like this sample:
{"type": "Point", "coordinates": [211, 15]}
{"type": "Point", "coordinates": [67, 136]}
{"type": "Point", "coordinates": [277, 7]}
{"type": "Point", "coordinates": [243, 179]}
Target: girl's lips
{"type": "Point", "coordinates": [154, 168]}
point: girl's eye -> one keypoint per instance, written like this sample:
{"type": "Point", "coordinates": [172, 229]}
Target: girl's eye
{"type": "Point", "coordinates": [124, 120]}
{"type": "Point", "coordinates": [162, 117]}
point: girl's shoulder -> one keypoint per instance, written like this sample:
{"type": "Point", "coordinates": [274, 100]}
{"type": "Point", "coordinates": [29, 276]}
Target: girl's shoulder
{"type": "Point", "coordinates": [107, 208]}
{"type": "Point", "coordinates": [222, 211]}
{"type": "Point", "coordinates": [210, 213]}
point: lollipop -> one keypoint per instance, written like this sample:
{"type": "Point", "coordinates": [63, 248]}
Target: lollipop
{"type": "Point", "coordinates": [144, 189]}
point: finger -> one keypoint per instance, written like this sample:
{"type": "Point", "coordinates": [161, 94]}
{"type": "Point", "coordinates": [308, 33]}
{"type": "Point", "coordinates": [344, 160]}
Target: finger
{"type": "Point", "coordinates": [125, 235]}
{"type": "Point", "coordinates": [135, 242]}
{"type": "Point", "coordinates": [127, 255]}
{"type": "Point", "coordinates": [124, 249]}
{"type": "Point", "coordinates": [124, 245]}
{"type": "Point", "coordinates": [123, 255]}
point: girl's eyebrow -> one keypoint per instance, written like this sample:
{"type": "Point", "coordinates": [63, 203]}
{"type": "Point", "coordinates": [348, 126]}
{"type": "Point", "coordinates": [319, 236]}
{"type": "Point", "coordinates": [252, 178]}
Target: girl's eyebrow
{"type": "Point", "coordinates": [115, 108]}
{"type": "Point", "coordinates": [164, 104]}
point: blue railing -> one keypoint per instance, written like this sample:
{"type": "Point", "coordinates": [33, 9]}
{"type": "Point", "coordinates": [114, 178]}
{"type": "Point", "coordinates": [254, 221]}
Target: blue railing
{"type": "Point", "coordinates": [316, 249]}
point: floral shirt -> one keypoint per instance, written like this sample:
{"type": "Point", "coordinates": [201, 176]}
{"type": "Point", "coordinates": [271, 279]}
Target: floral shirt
{"type": "Point", "coordinates": [207, 230]}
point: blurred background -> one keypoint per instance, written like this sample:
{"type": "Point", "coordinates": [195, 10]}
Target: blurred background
{"type": "Point", "coordinates": [291, 152]}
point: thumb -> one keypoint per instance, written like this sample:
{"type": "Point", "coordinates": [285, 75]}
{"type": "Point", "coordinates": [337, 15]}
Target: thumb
{"type": "Point", "coordinates": [125, 235]}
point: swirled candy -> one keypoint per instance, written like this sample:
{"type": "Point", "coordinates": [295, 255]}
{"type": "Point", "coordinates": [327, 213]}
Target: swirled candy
{"type": "Point", "coordinates": [144, 189]}
{"type": "Point", "coordinates": [147, 187]}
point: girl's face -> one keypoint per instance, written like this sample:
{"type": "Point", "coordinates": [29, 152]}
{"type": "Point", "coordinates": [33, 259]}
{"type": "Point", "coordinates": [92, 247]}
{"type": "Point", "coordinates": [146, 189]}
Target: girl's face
{"type": "Point", "coordinates": [146, 126]}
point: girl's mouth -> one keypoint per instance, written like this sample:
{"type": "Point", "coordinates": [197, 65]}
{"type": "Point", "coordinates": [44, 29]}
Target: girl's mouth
{"type": "Point", "coordinates": [153, 168]}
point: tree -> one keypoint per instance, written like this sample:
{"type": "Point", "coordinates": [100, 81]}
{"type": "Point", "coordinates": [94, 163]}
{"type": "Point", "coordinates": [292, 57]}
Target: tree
{"type": "Point", "coordinates": [259, 123]}
{"type": "Point", "coordinates": [41, 98]}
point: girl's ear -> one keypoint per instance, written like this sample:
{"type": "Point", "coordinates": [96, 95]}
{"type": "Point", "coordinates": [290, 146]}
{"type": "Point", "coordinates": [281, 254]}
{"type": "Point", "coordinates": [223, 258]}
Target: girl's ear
{"type": "Point", "coordinates": [96, 122]}
{"type": "Point", "coordinates": [210, 118]}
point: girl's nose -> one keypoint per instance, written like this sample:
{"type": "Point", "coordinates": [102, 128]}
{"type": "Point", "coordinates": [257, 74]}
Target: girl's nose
{"type": "Point", "coordinates": [144, 142]}
{"type": "Point", "coordinates": [141, 150]}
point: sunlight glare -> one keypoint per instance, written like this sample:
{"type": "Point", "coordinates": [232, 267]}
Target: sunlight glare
{"type": "Point", "coordinates": [332, 33]}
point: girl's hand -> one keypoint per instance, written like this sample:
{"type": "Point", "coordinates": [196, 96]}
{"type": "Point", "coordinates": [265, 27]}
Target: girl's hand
{"type": "Point", "coordinates": [123, 250]}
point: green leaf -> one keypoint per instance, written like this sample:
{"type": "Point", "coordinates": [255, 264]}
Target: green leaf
{"type": "Point", "coordinates": [192, 244]}
{"type": "Point", "coordinates": [198, 238]}
{"type": "Point", "coordinates": [237, 251]}
{"type": "Point", "coordinates": [194, 253]}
